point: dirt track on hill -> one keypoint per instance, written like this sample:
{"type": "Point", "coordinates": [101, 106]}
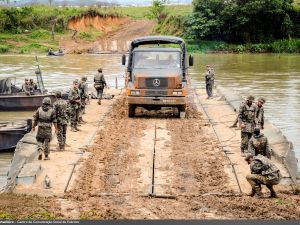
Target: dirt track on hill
{"type": "Point", "coordinates": [113, 41]}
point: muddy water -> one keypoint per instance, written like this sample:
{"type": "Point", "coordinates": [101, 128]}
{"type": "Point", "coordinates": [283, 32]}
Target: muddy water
{"type": "Point", "coordinates": [276, 77]}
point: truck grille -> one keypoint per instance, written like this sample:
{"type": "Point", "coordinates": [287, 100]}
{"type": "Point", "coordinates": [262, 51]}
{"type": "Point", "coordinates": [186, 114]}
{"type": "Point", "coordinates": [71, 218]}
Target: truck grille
{"type": "Point", "coordinates": [156, 82]}
{"type": "Point", "coordinates": [156, 93]}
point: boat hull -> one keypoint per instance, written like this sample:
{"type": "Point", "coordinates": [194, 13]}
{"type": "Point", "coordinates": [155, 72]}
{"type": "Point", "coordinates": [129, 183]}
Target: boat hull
{"type": "Point", "coordinates": [10, 138]}
{"type": "Point", "coordinates": [22, 103]}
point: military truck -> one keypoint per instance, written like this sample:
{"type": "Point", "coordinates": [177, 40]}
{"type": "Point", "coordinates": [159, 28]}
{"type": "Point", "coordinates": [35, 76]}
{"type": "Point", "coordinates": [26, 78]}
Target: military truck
{"type": "Point", "coordinates": [156, 74]}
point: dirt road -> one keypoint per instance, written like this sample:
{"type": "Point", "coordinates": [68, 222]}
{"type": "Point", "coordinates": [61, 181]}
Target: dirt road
{"type": "Point", "coordinates": [188, 181]}
{"type": "Point", "coordinates": [113, 41]}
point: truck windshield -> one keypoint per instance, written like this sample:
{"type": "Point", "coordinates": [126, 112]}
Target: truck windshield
{"type": "Point", "coordinates": [156, 59]}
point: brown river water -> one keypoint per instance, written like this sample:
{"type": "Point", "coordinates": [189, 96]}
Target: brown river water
{"type": "Point", "coordinates": [273, 76]}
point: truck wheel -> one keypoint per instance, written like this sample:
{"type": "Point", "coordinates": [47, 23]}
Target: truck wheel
{"type": "Point", "coordinates": [131, 110]}
{"type": "Point", "coordinates": [181, 110]}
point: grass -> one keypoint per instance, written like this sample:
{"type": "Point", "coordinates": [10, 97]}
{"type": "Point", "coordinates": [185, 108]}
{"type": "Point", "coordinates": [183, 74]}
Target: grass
{"type": "Point", "coordinates": [6, 216]}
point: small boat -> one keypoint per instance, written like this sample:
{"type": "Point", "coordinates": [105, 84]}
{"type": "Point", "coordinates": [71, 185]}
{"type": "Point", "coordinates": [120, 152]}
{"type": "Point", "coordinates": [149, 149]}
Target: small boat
{"type": "Point", "coordinates": [55, 53]}
{"type": "Point", "coordinates": [11, 132]}
{"type": "Point", "coordinates": [13, 98]}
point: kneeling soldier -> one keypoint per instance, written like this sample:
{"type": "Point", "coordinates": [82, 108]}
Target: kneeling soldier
{"type": "Point", "coordinates": [43, 118]}
{"type": "Point", "coordinates": [263, 171]}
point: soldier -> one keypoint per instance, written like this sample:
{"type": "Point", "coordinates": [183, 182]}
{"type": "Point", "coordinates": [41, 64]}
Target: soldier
{"type": "Point", "coordinates": [25, 87]}
{"type": "Point", "coordinates": [74, 102]}
{"type": "Point", "coordinates": [99, 84]}
{"type": "Point", "coordinates": [32, 86]}
{"type": "Point", "coordinates": [259, 115]}
{"type": "Point", "coordinates": [258, 144]}
{"type": "Point", "coordinates": [209, 80]}
{"type": "Point", "coordinates": [60, 107]}
{"type": "Point", "coordinates": [247, 122]}
{"type": "Point", "coordinates": [263, 171]}
{"type": "Point", "coordinates": [83, 88]}
{"type": "Point", "coordinates": [44, 117]}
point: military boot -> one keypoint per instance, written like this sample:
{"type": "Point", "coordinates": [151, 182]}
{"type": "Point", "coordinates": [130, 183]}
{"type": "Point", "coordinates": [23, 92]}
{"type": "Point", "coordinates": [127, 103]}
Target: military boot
{"type": "Point", "coordinates": [257, 191]}
{"type": "Point", "coordinates": [40, 156]}
{"type": "Point", "coordinates": [99, 102]}
{"type": "Point", "coordinates": [76, 128]}
{"type": "Point", "coordinates": [81, 120]}
{"type": "Point", "coordinates": [73, 129]}
{"type": "Point", "coordinates": [272, 192]}
{"type": "Point", "coordinates": [46, 157]}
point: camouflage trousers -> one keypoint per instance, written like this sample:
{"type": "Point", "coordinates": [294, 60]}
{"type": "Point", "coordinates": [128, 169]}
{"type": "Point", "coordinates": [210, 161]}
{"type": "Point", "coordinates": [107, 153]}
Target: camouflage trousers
{"type": "Point", "coordinates": [245, 137]}
{"type": "Point", "coordinates": [99, 93]}
{"type": "Point", "coordinates": [61, 134]}
{"type": "Point", "coordinates": [43, 145]}
{"type": "Point", "coordinates": [256, 180]}
{"type": "Point", "coordinates": [74, 116]}
{"type": "Point", "coordinates": [209, 88]}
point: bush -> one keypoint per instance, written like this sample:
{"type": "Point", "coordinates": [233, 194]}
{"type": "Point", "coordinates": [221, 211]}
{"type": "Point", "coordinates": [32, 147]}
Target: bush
{"type": "Point", "coordinates": [4, 48]}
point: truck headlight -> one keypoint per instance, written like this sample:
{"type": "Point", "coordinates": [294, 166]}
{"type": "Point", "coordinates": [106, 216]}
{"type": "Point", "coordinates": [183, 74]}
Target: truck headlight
{"type": "Point", "coordinates": [135, 92]}
{"type": "Point", "coordinates": [178, 93]}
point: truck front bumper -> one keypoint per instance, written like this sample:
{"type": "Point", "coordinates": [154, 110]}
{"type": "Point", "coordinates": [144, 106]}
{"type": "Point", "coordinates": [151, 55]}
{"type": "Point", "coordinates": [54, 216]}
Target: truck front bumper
{"type": "Point", "coordinates": [168, 101]}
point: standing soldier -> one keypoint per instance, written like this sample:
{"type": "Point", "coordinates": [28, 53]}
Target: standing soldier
{"type": "Point", "coordinates": [247, 122]}
{"type": "Point", "coordinates": [83, 88]}
{"type": "Point", "coordinates": [74, 101]}
{"type": "Point", "coordinates": [99, 84]}
{"type": "Point", "coordinates": [209, 80]}
{"type": "Point", "coordinates": [60, 107]}
{"type": "Point", "coordinates": [259, 144]}
{"type": "Point", "coordinates": [259, 114]}
{"type": "Point", "coordinates": [263, 171]}
{"type": "Point", "coordinates": [44, 117]}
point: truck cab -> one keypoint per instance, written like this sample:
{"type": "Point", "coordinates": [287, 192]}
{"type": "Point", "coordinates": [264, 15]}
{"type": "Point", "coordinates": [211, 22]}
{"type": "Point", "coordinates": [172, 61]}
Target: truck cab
{"type": "Point", "coordinates": [156, 74]}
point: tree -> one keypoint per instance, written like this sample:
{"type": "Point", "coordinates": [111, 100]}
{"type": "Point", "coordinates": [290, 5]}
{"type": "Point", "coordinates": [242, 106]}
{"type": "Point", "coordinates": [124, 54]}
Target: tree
{"type": "Point", "coordinates": [157, 9]}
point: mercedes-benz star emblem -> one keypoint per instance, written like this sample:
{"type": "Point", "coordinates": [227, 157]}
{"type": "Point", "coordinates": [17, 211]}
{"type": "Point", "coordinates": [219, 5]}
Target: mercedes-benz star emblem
{"type": "Point", "coordinates": [156, 82]}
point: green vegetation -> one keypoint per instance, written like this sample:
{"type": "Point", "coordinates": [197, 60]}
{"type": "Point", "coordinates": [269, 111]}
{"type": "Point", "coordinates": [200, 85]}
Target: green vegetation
{"type": "Point", "coordinates": [41, 216]}
{"type": "Point", "coordinates": [6, 216]}
{"type": "Point", "coordinates": [236, 26]}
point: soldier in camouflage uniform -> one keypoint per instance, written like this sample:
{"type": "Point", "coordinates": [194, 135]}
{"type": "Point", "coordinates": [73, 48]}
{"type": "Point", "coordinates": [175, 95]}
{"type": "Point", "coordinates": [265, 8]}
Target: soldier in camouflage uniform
{"type": "Point", "coordinates": [99, 84]}
{"type": "Point", "coordinates": [259, 145]}
{"type": "Point", "coordinates": [263, 171]}
{"type": "Point", "coordinates": [43, 118]}
{"type": "Point", "coordinates": [83, 88]}
{"type": "Point", "coordinates": [74, 103]}
{"type": "Point", "coordinates": [247, 122]}
{"type": "Point", "coordinates": [259, 114]}
{"type": "Point", "coordinates": [60, 107]}
{"type": "Point", "coordinates": [209, 80]}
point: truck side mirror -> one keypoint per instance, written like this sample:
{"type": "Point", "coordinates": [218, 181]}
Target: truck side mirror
{"type": "Point", "coordinates": [191, 60]}
{"type": "Point", "coordinates": [123, 60]}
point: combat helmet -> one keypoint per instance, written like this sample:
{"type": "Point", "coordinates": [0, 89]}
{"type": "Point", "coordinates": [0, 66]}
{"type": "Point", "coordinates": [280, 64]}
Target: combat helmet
{"type": "Point", "coordinates": [37, 72]}
{"type": "Point", "coordinates": [47, 101]}
{"type": "Point", "coordinates": [58, 94]}
{"type": "Point", "coordinates": [84, 78]}
{"type": "Point", "coordinates": [100, 70]}
{"type": "Point", "coordinates": [262, 99]}
{"type": "Point", "coordinates": [250, 98]}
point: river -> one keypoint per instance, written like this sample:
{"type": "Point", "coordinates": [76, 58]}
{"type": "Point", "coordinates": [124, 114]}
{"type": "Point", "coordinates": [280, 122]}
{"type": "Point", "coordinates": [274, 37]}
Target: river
{"type": "Point", "coordinates": [273, 76]}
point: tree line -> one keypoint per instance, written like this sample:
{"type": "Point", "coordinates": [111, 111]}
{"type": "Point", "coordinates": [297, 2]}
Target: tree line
{"type": "Point", "coordinates": [243, 21]}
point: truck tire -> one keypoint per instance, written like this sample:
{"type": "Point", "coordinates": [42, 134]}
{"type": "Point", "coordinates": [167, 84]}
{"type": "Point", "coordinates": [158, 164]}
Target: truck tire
{"type": "Point", "coordinates": [181, 110]}
{"type": "Point", "coordinates": [131, 110]}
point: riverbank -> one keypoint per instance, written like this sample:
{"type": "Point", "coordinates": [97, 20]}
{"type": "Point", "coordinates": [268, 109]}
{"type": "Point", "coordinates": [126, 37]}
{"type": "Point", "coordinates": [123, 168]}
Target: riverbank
{"type": "Point", "coordinates": [193, 175]}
